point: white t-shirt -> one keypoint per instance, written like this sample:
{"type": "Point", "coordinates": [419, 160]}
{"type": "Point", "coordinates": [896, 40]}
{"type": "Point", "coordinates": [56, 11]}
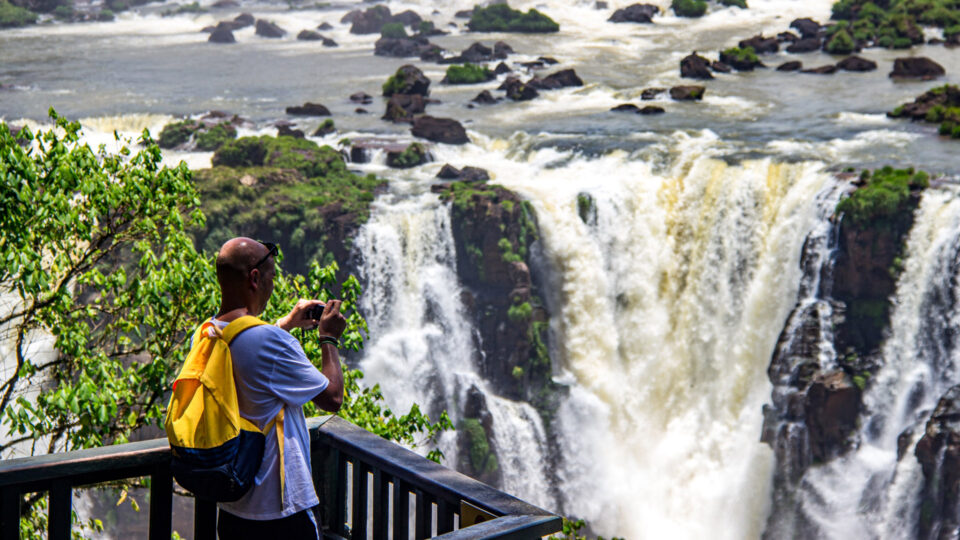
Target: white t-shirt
{"type": "Point", "coordinates": [271, 371]}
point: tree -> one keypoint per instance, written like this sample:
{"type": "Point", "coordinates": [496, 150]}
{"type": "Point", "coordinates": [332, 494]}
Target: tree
{"type": "Point", "coordinates": [98, 263]}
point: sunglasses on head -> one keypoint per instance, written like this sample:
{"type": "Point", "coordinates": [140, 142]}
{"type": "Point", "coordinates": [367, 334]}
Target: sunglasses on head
{"type": "Point", "coordinates": [272, 251]}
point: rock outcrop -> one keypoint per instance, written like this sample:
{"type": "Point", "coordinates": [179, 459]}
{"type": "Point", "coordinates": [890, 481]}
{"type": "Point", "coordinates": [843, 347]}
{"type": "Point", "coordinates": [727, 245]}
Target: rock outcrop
{"type": "Point", "coordinates": [695, 66]}
{"type": "Point", "coordinates": [916, 67]}
{"type": "Point", "coordinates": [268, 29]}
{"type": "Point", "coordinates": [939, 455]}
{"type": "Point", "coordinates": [636, 13]}
{"type": "Point", "coordinates": [442, 130]}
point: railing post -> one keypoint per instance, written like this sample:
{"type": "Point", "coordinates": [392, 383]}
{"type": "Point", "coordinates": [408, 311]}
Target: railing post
{"type": "Point", "coordinates": [359, 529]}
{"type": "Point", "coordinates": [10, 501]}
{"type": "Point", "coordinates": [444, 517]}
{"type": "Point", "coordinates": [204, 520]}
{"type": "Point", "coordinates": [423, 515]}
{"type": "Point", "coordinates": [161, 502]}
{"type": "Point", "coordinates": [401, 510]}
{"type": "Point", "coordinates": [381, 509]}
{"type": "Point", "coordinates": [59, 518]}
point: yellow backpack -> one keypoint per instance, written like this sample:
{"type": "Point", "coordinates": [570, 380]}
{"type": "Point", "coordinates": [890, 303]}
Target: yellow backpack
{"type": "Point", "coordinates": [216, 452]}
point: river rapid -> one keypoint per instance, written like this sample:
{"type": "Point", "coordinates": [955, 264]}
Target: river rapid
{"type": "Point", "coordinates": [665, 309]}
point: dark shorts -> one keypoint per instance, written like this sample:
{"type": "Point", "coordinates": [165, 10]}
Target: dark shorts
{"type": "Point", "coordinates": [299, 526]}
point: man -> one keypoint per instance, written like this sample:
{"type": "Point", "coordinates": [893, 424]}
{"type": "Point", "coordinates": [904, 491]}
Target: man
{"type": "Point", "coordinates": [272, 372]}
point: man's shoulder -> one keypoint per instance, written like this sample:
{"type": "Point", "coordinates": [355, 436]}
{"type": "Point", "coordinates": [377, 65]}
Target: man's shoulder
{"type": "Point", "coordinates": [264, 333]}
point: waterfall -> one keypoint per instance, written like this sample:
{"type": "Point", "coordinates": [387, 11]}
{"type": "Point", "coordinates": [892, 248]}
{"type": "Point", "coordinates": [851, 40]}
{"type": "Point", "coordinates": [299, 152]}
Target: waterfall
{"type": "Point", "coordinates": [423, 347]}
{"type": "Point", "coordinates": [870, 492]}
{"type": "Point", "coordinates": [671, 304]}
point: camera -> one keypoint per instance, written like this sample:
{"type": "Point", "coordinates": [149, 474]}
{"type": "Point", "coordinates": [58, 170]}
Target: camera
{"type": "Point", "coordinates": [315, 311]}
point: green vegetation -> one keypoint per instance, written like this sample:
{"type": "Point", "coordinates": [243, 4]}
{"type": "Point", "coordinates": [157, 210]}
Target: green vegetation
{"type": "Point", "coordinates": [283, 187]}
{"type": "Point", "coordinates": [207, 138]}
{"type": "Point", "coordinates": [688, 8]}
{"type": "Point", "coordinates": [840, 43]}
{"type": "Point", "coordinates": [105, 15]}
{"type": "Point", "coordinates": [520, 312]}
{"type": "Point", "coordinates": [464, 193]}
{"type": "Point", "coordinates": [192, 7]}
{"type": "Point", "coordinates": [12, 16]}
{"type": "Point", "coordinates": [482, 458]}
{"type": "Point", "coordinates": [885, 194]}
{"type": "Point", "coordinates": [737, 55]}
{"type": "Point", "coordinates": [586, 208]}
{"type": "Point", "coordinates": [393, 30]}
{"type": "Point", "coordinates": [893, 23]}
{"type": "Point", "coordinates": [425, 27]}
{"type": "Point", "coordinates": [97, 251]}
{"type": "Point", "coordinates": [467, 74]}
{"type": "Point", "coordinates": [503, 18]}
{"type": "Point", "coordinates": [738, 3]}
{"type": "Point", "coordinates": [945, 111]}
{"type": "Point", "coordinates": [63, 13]}
{"type": "Point", "coordinates": [411, 156]}
{"type": "Point", "coordinates": [211, 139]}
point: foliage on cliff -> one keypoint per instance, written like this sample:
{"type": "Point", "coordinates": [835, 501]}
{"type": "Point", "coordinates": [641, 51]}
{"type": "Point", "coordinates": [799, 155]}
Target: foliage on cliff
{"type": "Point", "coordinates": [884, 195]}
{"type": "Point", "coordinates": [894, 23]}
{"type": "Point", "coordinates": [287, 190]}
{"type": "Point", "coordinates": [940, 105]}
{"type": "Point", "coordinates": [96, 251]}
{"type": "Point", "coordinates": [503, 18]}
{"type": "Point", "coordinates": [206, 138]}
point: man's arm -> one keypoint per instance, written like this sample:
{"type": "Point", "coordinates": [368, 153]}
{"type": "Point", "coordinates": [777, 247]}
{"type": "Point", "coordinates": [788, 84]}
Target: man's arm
{"type": "Point", "coordinates": [330, 324]}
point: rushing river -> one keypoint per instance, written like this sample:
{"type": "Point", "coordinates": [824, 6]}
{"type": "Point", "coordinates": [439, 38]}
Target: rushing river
{"type": "Point", "coordinates": [667, 308]}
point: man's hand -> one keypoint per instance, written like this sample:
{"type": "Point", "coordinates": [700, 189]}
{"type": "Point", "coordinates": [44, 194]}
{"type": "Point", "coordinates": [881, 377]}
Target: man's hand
{"type": "Point", "coordinates": [332, 322]}
{"type": "Point", "coordinates": [297, 318]}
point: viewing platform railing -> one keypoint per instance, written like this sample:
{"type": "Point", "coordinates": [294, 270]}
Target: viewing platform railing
{"type": "Point", "coordinates": [369, 488]}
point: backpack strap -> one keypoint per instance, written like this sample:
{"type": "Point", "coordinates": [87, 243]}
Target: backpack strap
{"type": "Point", "coordinates": [227, 334]}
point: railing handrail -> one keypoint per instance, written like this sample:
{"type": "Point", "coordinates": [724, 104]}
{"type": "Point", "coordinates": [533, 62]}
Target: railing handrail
{"type": "Point", "coordinates": [416, 470]}
{"type": "Point", "coordinates": [60, 472]}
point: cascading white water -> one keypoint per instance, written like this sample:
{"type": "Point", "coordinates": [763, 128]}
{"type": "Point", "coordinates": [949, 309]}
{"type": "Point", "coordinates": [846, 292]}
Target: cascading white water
{"type": "Point", "coordinates": [422, 346]}
{"type": "Point", "coordinates": [671, 306]}
{"type": "Point", "coordinates": [869, 493]}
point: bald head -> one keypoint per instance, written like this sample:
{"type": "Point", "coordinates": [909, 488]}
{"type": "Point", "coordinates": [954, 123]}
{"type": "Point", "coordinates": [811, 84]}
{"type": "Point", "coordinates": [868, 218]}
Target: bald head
{"type": "Point", "coordinates": [235, 260]}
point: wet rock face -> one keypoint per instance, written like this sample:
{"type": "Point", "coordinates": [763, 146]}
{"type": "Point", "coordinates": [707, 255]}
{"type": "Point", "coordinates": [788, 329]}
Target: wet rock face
{"type": "Point", "coordinates": [443, 130]}
{"type": "Point", "coordinates": [939, 455]}
{"type": "Point", "coordinates": [831, 410]}
{"type": "Point", "coordinates": [268, 29]}
{"type": "Point", "coordinates": [637, 13]}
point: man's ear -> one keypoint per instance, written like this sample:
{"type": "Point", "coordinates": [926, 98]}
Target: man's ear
{"type": "Point", "coordinates": [254, 279]}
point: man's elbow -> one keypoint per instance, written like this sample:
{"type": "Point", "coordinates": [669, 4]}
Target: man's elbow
{"type": "Point", "coordinates": [329, 401]}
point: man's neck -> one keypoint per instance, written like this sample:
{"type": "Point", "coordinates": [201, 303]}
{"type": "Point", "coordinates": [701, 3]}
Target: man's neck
{"type": "Point", "coordinates": [227, 315]}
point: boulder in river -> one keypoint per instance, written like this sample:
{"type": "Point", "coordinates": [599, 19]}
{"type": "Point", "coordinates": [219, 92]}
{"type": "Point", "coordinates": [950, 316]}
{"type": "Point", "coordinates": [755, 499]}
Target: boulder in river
{"type": "Point", "coordinates": [407, 80]}
{"type": "Point", "coordinates": [740, 59]}
{"type": "Point", "coordinates": [787, 37]}
{"type": "Point", "coordinates": [268, 29]}
{"type": "Point", "coordinates": [695, 66]}
{"type": "Point", "coordinates": [651, 93]}
{"type": "Point", "coordinates": [466, 174]}
{"type": "Point", "coordinates": [517, 90]}
{"type": "Point", "coordinates": [916, 67]}
{"type": "Point", "coordinates": [501, 69]}
{"type": "Point", "coordinates": [809, 44]}
{"type": "Point", "coordinates": [402, 107]}
{"type": "Point", "coordinates": [501, 50]}
{"type": "Point", "coordinates": [325, 26]}
{"type": "Point", "coordinates": [561, 79]}
{"type": "Point", "coordinates": [370, 21]}
{"type": "Point", "coordinates": [636, 13]}
{"type": "Point", "coordinates": [309, 35]}
{"type": "Point", "coordinates": [760, 44]}
{"type": "Point", "coordinates": [687, 92]}
{"type": "Point", "coordinates": [793, 65]}
{"type": "Point", "coordinates": [856, 63]}
{"type": "Point", "coordinates": [308, 109]}
{"type": "Point", "coordinates": [244, 20]}
{"type": "Point", "coordinates": [442, 130]}
{"type": "Point", "coordinates": [362, 98]}
{"type": "Point", "coordinates": [413, 155]}
{"type": "Point", "coordinates": [828, 69]}
{"type": "Point", "coordinates": [402, 47]}
{"type": "Point", "coordinates": [807, 27]}
{"type": "Point", "coordinates": [651, 109]}
{"type": "Point", "coordinates": [626, 107]}
{"type": "Point", "coordinates": [720, 67]}
{"type": "Point", "coordinates": [484, 98]}
{"type": "Point", "coordinates": [222, 35]}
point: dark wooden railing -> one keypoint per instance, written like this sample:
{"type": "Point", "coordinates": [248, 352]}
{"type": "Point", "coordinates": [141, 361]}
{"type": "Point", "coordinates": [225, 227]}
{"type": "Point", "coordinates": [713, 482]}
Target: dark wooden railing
{"type": "Point", "coordinates": [367, 486]}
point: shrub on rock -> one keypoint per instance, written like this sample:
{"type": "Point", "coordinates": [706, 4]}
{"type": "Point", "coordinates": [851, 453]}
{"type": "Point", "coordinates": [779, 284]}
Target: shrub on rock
{"type": "Point", "coordinates": [467, 74]}
{"type": "Point", "coordinates": [840, 43]}
{"type": "Point", "coordinates": [687, 93]}
{"type": "Point", "coordinates": [393, 30]}
{"type": "Point", "coordinates": [688, 8]}
{"type": "Point", "coordinates": [885, 194]}
{"type": "Point", "coordinates": [741, 59]}
{"type": "Point", "coordinates": [736, 3]}
{"type": "Point", "coordinates": [407, 80]}
{"type": "Point", "coordinates": [174, 134]}
{"type": "Point", "coordinates": [413, 155]}
{"type": "Point", "coordinates": [503, 18]}
{"type": "Point", "coordinates": [213, 138]}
